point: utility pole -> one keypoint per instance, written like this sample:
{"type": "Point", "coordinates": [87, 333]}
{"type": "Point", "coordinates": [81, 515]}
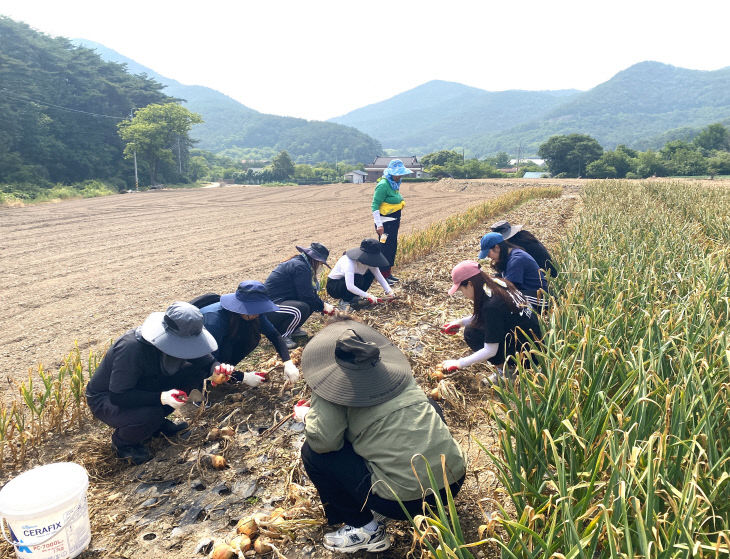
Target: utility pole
{"type": "Point", "coordinates": [179, 160]}
{"type": "Point", "coordinates": [136, 178]}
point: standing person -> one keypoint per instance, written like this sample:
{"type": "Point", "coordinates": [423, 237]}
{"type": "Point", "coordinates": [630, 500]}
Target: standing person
{"type": "Point", "coordinates": [353, 275]}
{"type": "Point", "coordinates": [525, 240]}
{"type": "Point", "coordinates": [367, 420]}
{"type": "Point", "coordinates": [237, 322]}
{"type": "Point", "coordinates": [294, 287]}
{"type": "Point", "coordinates": [386, 207]}
{"type": "Point", "coordinates": [146, 375]}
{"type": "Point", "coordinates": [518, 267]}
{"type": "Point", "coordinates": [501, 324]}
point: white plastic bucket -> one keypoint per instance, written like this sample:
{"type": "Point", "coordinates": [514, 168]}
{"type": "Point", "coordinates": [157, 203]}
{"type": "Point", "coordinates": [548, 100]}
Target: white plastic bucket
{"type": "Point", "coordinates": [46, 511]}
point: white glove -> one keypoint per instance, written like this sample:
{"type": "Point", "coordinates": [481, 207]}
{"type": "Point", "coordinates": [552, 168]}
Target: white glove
{"type": "Point", "coordinates": [328, 309]}
{"type": "Point", "coordinates": [253, 379]}
{"type": "Point", "coordinates": [221, 374]}
{"type": "Point", "coordinates": [373, 299]}
{"type": "Point", "coordinates": [174, 398]}
{"type": "Point", "coordinates": [291, 371]}
{"type": "Point", "coordinates": [301, 409]}
{"type": "Point", "coordinates": [451, 365]}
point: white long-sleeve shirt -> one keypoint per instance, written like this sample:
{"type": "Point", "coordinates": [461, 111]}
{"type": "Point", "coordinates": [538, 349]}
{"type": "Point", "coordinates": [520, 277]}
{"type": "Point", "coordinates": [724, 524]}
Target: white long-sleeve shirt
{"type": "Point", "coordinates": [346, 268]}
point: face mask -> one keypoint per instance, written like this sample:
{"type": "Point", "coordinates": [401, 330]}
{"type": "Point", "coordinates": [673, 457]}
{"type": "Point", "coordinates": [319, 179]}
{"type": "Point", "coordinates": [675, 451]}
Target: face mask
{"type": "Point", "coordinates": [170, 365]}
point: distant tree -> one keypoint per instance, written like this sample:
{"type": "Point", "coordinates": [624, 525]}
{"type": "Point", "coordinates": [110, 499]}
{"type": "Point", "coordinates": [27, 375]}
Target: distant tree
{"type": "Point", "coordinates": [443, 158]}
{"type": "Point", "coordinates": [619, 160]}
{"type": "Point", "coordinates": [570, 155]}
{"type": "Point", "coordinates": [155, 131]}
{"type": "Point", "coordinates": [650, 164]}
{"type": "Point", "coordinates": [684, 159]}
{"type": "Point", "coordinates": [282, 166]}
{"type": "Point", "coordinates": [714, 137]}
{"type": "Point", "coordinates": [501, 159]}
{"type": "Point", "coordinates": [719, 163]}
{"type": "Point", "coordinates": [600, 169]}
{"type": "Point", "coordinates": [198, 168]}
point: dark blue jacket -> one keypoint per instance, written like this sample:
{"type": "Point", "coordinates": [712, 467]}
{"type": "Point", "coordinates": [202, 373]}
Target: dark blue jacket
{"type": "Point", "coordinates": [234, 346]}
{"type": "Point", "coordinates": [292, 281]}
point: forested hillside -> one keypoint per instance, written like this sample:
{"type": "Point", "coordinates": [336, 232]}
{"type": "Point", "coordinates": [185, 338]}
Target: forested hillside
{"type": "Point", "coordinates": [60, 105]}
{"type": "Point", "coordinates": [444, 115]}
{"type": "Point", "coordinates": [233, 129]}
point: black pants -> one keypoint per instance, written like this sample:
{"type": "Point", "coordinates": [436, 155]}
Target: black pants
{"type": "Point", "coordinates": [343, 482]}
{"type": "Point", "coordinates": [337, 289]}
{"type": "Point", "coordinates": [133, 426]}
{"type": "Point", "coordinates": [290, 316]}
{"type": "Point", "coordinates": [390, 246]}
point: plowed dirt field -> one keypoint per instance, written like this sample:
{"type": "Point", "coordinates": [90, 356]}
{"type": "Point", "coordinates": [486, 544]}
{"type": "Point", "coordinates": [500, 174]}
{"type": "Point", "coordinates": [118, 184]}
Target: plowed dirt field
{"type": "Point", "coordinates": [87, 270]}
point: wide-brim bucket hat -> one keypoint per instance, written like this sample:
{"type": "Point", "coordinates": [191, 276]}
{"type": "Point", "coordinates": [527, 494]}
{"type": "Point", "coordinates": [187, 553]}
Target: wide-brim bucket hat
{"type": "Point", "coordinates": [251, 297]}
{"type": "Point", "coordinates": [396, 169]}
{"type": "Point", "coordinates": [505, 229]}
{"type": "Point", "coordinates": [369, 253]}
{"type": "Point", "coordinates": [316, 251]}
{"type": "Point", "coordinates": [350, 364]}
{"type": "Point", "coordinates": [489, 241]}
{"type": "Point", "coordinates": [179, 332]}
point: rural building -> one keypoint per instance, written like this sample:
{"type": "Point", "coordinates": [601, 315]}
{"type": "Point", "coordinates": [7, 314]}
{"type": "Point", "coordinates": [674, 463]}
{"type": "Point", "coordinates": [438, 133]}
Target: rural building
{"type": "Point", "coordinates": [356, 176]}
{"type": "Point", "coordinates": [535, 175]}
{"type": "Point", "coordinates": [376, 168]}
{"type": "Point", "coordinates": [534, 160]}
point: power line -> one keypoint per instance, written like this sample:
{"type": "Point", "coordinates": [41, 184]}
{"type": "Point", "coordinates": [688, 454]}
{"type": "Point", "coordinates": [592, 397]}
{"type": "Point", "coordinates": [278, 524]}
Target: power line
{"type": "Point", "coordinates": [28, 100]}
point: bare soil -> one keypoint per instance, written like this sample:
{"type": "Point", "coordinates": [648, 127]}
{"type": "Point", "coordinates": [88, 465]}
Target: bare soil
{"type": "Point", "coordinates": [173, 506]}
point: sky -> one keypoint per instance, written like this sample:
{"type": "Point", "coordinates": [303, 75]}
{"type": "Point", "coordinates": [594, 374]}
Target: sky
{"type": "Point", "coordinates": [320, 59]}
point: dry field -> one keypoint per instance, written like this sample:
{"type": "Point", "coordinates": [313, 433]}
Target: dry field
{"type": "Point", "coordinates": [87, 270]}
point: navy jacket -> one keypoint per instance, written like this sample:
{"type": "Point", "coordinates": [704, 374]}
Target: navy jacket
{"type": "Point", "coordinates": [292, 281]}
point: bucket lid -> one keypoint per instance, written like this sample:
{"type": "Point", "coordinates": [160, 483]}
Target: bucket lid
{"type": "Point", "coordinates": [42, 488]}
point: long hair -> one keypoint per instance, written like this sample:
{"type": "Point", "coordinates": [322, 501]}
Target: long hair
{"type": "Point", "coordinates": [501, 263]}
{"type": "Point", "coordinates": [510, 295]}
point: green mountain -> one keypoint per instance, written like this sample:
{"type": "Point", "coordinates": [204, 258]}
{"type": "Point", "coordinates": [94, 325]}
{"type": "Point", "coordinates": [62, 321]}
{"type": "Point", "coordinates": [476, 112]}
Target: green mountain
{"type": "Point", "coordinates": [641, 107]}
{"type": "Point", "coordinates": [445, 115]}
{"type": "Point", "coordinates": [232, 129]}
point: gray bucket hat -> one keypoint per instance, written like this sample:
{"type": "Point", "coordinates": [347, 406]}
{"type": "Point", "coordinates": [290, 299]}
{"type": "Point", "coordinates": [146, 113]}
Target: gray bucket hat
{"type": "Point", "coordinates": [350, 364]}
{"type": "Point", "coordinates": [505, 229]}
{"type": "Point", "coordinates": [179, 332]}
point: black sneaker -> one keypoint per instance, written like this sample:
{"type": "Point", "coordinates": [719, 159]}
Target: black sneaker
{"type": "Point", "coordinates": [394, 279]}
{"type": "Point", "coordinates": [135, 453]}
{"type": "Point", "coordinates": [290, 344]}
{"type": "Point", "coordinates": [170, 429]}
{"type": "Point", "coordinates": [300, 333]}
{"type": "Point", "coordinates": [391, 280]}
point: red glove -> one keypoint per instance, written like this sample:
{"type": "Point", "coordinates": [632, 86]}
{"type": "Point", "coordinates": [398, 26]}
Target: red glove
{"type": "Point", "coordinates": [174, 398]}
{"type": "Point", "coordinates": [301, 408]}
{"type": "Point", "coordinates": [450, 328]}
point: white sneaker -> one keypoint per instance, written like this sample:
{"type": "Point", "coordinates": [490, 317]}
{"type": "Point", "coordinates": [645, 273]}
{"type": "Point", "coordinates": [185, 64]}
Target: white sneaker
{"type": "Point", "coordinates": [349, 539]}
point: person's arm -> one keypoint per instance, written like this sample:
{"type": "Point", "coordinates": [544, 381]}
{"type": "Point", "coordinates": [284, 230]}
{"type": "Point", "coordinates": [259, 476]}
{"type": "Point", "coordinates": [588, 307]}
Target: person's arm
{"type": "Point", "coordinates": [489, 350]}
{"type": "Point", "coordinates": [268, 330]}
{"type": "Point", "coordinates": [325, 425]}
{"type": "Point", "coordinates": [381, 280]}
{"type": "Point", "coordinates": [515, 270]}
{"type": "Point", "coordinates": [305, 290]}
{"type": "Point", "coordinates": [349, 271]}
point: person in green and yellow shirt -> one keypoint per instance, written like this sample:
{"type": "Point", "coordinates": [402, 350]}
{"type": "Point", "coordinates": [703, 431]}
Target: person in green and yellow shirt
{"type": "Point", "coordinates": [386, 207]}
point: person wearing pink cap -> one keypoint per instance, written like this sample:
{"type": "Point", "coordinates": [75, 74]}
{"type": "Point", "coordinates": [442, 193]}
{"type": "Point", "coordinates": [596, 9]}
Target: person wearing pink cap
{"type": "Point", "coordinates": [502, 321]}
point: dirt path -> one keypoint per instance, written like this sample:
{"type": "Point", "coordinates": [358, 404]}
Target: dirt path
{"type": "Point", "coordinates": [87, 270]}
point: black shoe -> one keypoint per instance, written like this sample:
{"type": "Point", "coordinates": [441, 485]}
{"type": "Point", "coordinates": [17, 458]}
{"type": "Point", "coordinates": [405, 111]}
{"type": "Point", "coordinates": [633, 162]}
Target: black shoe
{"type": "Point", "coordinates": [170, 429]}
{"type": "Point", "coordinates": [300, 333]}
{"type": "Point", "coordinates": [290, 344]}
{"type": "Point", "coordinates": [135, 453]}
{"type": "Point", "coordinates": [391, 280]}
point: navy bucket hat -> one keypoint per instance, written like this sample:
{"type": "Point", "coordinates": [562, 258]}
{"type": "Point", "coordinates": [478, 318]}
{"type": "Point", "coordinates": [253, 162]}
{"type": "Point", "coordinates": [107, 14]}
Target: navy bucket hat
{"type": "Point", "coordinates": [251, 297]}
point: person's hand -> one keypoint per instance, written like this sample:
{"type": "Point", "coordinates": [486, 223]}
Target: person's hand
{"type": "Point", "coordinates": [328, 309]}
{"type": "Point", "coordinates": [174, 398]}
{"type": "Point", "coordinates": [253, 379]}
{"type": "Point", "coordinates": [390, 296]}
{"type": "Point", "coordinates": [301, 408]}
{"type": "Point", "coordinates": [373, 299]}
{"type": "Point", "coordinates": [380, 230]}
{"type": "Point", "coordinates": [451, 328]}
{"type": "Point", "coordinates": [221, 374]}
{"type": "Point", "coordinates": [450, 365]}
{"type": "Point", "coordinates": [291, 371]}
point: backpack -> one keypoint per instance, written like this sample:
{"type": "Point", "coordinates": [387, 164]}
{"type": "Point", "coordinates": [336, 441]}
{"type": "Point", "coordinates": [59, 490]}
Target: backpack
{"type": "Point", "coordinates": [204, 300]}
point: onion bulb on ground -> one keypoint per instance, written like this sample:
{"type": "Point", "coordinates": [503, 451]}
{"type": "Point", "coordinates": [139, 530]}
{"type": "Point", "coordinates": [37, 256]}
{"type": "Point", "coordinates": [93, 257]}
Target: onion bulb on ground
{"type": "Point", "coordinates": [241, 543]}
{"type": "Point", "coordinates": [262, 546]}
{"type": "Point", "coordinates": [223, 551]}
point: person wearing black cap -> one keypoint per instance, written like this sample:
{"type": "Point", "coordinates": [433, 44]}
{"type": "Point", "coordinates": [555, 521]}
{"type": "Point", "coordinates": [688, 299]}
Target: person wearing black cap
{"type": "Point", "coordinates": [237, 322]}
{"type": "Point", "coordinates": [525, 240]}
{"type": "Point", "coordinates": [354, 272]}
{"type": "Point", "coordinates": [146, 374]}
{"type": "Point", "coordinates": [367, 420]}
{"type": "Point", "coordinates": [294, 286]}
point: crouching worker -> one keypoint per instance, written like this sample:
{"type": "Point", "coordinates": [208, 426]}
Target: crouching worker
{"type": "Point", "coordinates": [147, 374]}
{"type": "Point", "coordinates": [502, 321]}
{"type": "Point", "coordinates": [367, 420]}
{"type": "Point", "coordinates": [294, 286]}
{"type": "Point", "coordinates": [237, 322]}
{"type": "Point", "coordinates": [354, 273]}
